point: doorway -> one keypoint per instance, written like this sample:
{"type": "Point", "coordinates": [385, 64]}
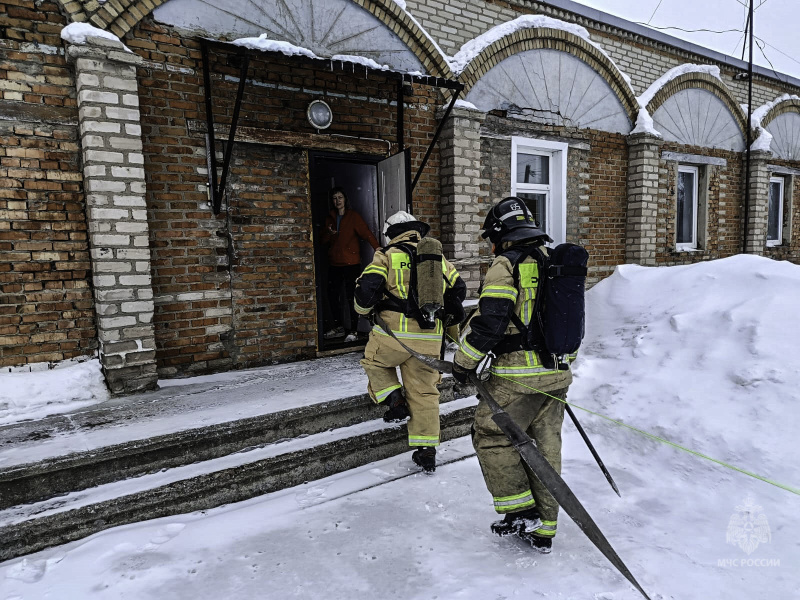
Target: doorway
{"type": "Point", "coordinates": [358, 176]}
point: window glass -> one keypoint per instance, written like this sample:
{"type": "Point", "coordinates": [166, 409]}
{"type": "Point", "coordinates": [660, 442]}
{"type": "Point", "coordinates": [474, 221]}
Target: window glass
{"type": "Point", "coordinates": [774, 218]}
{"type": "Point", "coordinates": [533, 168]}
{"type": "Point", "coordinates": [686, 204]}
{"type": "Point", "coordinates": [537, 204]}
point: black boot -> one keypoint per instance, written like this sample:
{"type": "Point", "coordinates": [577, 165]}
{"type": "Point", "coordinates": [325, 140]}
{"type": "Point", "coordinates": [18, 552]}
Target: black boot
{"type": "Point", "coordinates": [525, 521]}
{"type": "Point", "coordinates": [540, 543]}
{"type": "Point", "coordinates": [425, 458]}
{"type": "Point", "coordinates": [398, 409]}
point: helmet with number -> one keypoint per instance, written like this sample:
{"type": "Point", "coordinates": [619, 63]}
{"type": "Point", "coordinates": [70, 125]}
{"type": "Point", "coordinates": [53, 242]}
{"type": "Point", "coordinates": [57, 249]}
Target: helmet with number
{"type": "Point", "coordinates": [510, 221]}
{"type": "Point", "coordinates": [400, 222]}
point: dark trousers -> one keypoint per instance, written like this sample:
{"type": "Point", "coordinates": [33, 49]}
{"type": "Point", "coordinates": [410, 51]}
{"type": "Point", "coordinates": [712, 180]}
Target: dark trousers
{"type": "Point", "coordinates": [338, 278]}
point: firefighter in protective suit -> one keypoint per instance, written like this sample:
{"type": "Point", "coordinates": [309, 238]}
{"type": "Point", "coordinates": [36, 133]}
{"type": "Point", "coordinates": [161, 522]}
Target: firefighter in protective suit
{"type": "Point", "coordinates": [528, 508]}
{"type": "Point", "coordinates": [384, 287]}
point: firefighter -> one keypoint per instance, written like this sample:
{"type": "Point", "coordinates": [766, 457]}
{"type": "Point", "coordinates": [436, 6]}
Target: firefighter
{"type": "Point", "coordinates": [384, 287]}
{"type": "Point", "coordinates": [528, 509]}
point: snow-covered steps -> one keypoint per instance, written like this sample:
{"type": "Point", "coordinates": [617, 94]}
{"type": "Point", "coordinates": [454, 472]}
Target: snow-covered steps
{"type": "Point", "coordinates": [127, 452]}
{"type": "Point", "coordinates": [213, 482]}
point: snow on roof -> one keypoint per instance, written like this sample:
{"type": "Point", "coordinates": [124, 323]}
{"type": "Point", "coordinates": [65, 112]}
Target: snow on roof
{"type": "Point", "coordinates": [474, 47]}
{"type": "Point", "coordinates": [644, 122]}
{"type": "Point", "coordinates": [761, 112]}
{"type": "Point", "coordinates": [674, 73]}
{"type": "Point", "coordinates": [267, 45]}
{"type": "Point", "coordinates": [402, 5]}
{"type": "Point", "coordinates": [764, 139]}
{"type": "Point", "coordinates": [78, 33]}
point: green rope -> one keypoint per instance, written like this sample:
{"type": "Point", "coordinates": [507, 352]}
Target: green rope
{"type": "Point", "coordinates": [657, 438]}
{"type": "Point", "coordinates": [662, 440]}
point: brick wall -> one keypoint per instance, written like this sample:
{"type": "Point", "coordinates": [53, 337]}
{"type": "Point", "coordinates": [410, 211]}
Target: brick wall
{"type": "Point", "coordinates": [452, 23]}
{"type": "Point", "coordinates": [45, 294]}
{"type": "Point", "coordinates": [723, 201]}
{"type": "Point", "coordinates": [214, 311]}
{"type": "Point", "coordinates": [597, 165]}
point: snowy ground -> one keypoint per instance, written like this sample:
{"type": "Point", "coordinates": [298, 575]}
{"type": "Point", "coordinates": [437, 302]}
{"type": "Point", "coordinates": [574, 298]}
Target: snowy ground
{"type": "Point", "coordinates": [701, 355]}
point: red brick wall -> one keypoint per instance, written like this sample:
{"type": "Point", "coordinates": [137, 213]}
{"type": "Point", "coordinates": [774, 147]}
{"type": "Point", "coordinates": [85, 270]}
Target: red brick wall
{"type": "Point", "coordinates": [724, 202]}
{"type": "Point", "coordinates": [272, 316]}
{"type": "Point", "coordinates": [603, 232]}
{"type": "Point", "coordinates": [791, 209]}
{"type": "Point", "coordinates": [46, 309]}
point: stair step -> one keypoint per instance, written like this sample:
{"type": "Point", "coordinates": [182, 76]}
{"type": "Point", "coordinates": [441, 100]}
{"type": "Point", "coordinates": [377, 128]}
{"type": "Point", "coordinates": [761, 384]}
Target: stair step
{"type": "Point", "coordinates": [58, 475]}
{"type": "Point", "coordinates": [212, 482]}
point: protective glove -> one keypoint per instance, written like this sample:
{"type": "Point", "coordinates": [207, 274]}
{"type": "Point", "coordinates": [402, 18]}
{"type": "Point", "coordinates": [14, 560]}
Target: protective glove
{"type": "Point", "coordinates": [460, 374]}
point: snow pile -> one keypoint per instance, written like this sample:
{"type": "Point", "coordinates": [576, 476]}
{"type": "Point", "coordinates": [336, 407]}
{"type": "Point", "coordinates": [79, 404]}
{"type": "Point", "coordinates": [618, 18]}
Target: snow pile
{"type": "Point", "coordinates": [702, 355]}
{"type": "Point", "coordinates": [763, 140]}
{"type": "Point", "coordinates": [79, 33]}
{"type": "Point", "coordinates": [68, 386]}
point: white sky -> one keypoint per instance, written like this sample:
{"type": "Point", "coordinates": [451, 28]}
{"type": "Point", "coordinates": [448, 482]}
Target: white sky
{"type": "Point", "coordinates": [776, 23]}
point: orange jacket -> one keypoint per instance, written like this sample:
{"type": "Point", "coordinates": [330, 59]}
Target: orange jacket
{"type": "Point", "coordinates": [343, 244]}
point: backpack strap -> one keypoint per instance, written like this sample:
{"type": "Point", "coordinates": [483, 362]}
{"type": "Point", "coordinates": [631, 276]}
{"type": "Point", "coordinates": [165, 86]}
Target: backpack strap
{"type": "Point", "coordinates": [408, 306]}
{"type": "Point", "coordinates": [519, 341]}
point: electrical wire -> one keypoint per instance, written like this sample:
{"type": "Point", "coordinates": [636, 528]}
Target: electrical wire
{"type": "Point", "coordinates": [692, 30]}
{"type": "Point", "coordinates": [654, 12]}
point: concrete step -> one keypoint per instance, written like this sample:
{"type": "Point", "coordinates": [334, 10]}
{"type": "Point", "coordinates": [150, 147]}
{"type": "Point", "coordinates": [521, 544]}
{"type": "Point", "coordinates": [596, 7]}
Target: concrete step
{"type": "Point", "coordinates": [30, 482]}
{"type": "Point", "coordinates": [344, 439]}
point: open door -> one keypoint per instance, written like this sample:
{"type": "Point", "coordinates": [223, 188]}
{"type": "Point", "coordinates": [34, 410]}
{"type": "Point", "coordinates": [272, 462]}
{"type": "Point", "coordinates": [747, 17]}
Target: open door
{"type": "Point", "coordinates": [394, 185]}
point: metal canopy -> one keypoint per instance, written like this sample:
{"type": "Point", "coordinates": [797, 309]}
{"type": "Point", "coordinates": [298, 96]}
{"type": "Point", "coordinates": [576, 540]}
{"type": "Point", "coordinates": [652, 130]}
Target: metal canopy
{"type": "Point", "coordinates": [217, 191]}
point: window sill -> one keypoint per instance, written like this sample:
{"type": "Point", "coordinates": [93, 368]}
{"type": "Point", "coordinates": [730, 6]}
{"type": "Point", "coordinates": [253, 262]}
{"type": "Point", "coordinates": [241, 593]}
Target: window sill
{"type": "Point", "coordinates": [679, 250]}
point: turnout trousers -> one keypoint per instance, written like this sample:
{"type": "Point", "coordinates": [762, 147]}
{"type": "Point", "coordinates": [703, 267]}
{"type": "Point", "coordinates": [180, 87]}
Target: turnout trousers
{"type": "Point", "coordinates": [513, 486]}
{"type": "Point", "coordinates": [382, 356]}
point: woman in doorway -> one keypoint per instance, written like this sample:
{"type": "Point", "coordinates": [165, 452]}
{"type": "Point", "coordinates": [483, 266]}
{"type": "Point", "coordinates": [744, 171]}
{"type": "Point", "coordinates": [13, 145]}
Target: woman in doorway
{"type": "Point", "coordinates": [344, 228]}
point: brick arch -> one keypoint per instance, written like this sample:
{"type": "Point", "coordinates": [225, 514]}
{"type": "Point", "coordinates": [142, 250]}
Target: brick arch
{"type": "Point", "coordinates": [705, 82]}
{"type": "Point", "coordinates": [784, 106]}
{"type": "Point", "coordinates": [545, 38]}
{"type": "Point", "coordinates": [120, 16]}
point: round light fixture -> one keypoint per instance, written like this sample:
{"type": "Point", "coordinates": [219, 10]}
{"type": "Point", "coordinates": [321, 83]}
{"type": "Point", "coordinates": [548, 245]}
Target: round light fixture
{"type": "Point", "coordinates": [319, 114]}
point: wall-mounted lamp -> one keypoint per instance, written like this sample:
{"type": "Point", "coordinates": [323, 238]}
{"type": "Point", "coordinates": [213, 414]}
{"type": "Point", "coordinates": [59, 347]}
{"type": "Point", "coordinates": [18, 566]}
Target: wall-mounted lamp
{"type": "Point", "coordinates": [319, 114]}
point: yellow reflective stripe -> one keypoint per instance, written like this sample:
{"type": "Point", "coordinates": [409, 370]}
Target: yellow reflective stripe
{"type": "Point", "coordinates": [471, 351]}
{"type": "Point", "coordinates": [449, 274]}
{"type": "Point", "coordinates": [423, 440]}
{"type": "Point", "coordinates": [513, 503]}
{"type": "Point", "coordinates": [384, 393]}
{"type": "Point", "coordinates": [521, 371]}
{"type": "Point", "coordinates": [377, 269]}
{"type": "Point", "coordinates": [403, 323]}
{"type": "Point", "coordinates": [524, 494]}
{"type": "Point", "coordinates": [548, 529]}
{"type": "Point", "coordinates": [505, 292]}
{"type": "Point", "coordinates": [404, 335]}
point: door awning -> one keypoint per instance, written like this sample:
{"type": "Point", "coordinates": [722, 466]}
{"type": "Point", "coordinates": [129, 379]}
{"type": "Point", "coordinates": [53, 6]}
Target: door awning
{"type": "Point", "coordinates": [340, 64]}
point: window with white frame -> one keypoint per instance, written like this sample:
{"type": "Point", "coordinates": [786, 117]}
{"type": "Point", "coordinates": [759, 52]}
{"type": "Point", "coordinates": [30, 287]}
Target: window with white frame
{"type": "Point", "coordinates": [686, 234]}
{"type": "Point", "coordinates": [539, 178]}
{"type": "Point", "coordinates": [775, 214]}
